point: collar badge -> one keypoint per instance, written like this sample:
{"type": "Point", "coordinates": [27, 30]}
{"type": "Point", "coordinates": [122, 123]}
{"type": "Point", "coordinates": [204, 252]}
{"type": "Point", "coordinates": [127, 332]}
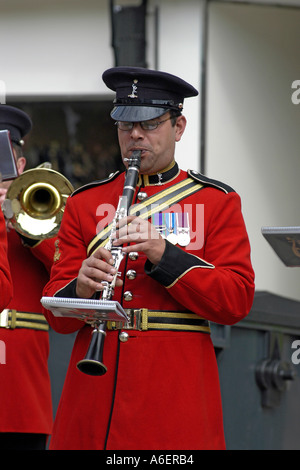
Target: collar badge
{"type": "Point", "coordinates": [57, 252]}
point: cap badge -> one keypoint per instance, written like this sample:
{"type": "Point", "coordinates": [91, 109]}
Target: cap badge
{"type": "Point", "coordinates": [134, 90]}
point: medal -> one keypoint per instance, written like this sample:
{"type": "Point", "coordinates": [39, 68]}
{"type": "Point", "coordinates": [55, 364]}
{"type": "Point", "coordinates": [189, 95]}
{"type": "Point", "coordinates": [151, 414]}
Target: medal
{"type": "Point", "coordinates": [157, 220]}
{"type": "Point", "coordinates": [183, 229]}
{"type": "Point", "coordinates": [171, 228]}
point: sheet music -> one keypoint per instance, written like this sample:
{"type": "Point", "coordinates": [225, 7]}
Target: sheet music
{"type": "Point", "coordinates": [85, 309]}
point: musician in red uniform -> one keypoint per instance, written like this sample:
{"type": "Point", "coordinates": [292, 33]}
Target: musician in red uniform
{"type": "Point", "coordinates": [25, 392]}
{"type": "Point", "coordinates": [187, 262]}
{"type": "Point", "coordinates": [5, 277]}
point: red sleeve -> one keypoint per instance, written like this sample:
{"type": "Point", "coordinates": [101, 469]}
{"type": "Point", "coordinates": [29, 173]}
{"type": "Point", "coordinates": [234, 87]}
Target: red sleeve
{"type": "Point", "coordinates": [5, 277]}
{"type": "Point", "coordinates": [44, 252]}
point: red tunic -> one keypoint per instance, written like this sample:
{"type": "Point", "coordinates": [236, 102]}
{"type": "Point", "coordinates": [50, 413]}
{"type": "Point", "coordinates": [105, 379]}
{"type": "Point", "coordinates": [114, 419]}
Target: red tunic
{"type": "Point", "coordinates": [5, 277]}
{"type": "Point", "coordinates": [25, 390]}
{"type": "Point", "coordinates": [167, 393]}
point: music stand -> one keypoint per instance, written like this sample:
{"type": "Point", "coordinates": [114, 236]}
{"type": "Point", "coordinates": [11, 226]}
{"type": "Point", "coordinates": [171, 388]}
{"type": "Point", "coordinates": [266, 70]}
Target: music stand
{"type": "Point", "coordinates": [285, 241]}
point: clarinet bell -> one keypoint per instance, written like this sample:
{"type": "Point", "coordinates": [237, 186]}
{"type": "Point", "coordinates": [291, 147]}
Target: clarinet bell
{"type": "Point", "coordinates": [92, 363]}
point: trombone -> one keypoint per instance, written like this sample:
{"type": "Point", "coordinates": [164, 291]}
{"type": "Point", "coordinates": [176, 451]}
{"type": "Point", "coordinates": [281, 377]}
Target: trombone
{"type": "Point", "coordinates": [35, 202]}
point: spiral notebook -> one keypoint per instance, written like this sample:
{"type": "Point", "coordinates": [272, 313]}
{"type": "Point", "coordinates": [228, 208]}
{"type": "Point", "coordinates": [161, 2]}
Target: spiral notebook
{"type": "Point", "coordinates": [285, 241]}
{"type": "Point", "coordinates": [85, 309]}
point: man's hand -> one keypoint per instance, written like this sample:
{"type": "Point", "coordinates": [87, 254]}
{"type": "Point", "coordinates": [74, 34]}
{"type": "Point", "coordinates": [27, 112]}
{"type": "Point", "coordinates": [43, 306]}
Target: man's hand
{"type": "Point", "coordinates": [95, 269]}
{"type": "Point", "coordinates": [143, 237]}
{"type": "Point", "coordinates": [3, 192]}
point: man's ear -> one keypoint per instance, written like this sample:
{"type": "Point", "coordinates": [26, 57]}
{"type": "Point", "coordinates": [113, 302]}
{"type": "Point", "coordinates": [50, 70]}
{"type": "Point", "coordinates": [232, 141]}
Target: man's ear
{"type": "Point", "coordinates": [180, 127]}
{"type": "Point", "coordinates": [21, 163]}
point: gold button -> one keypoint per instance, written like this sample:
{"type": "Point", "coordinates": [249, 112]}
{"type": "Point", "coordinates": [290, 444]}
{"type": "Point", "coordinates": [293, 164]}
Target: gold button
{"type": "Point", "coordinates": [142, 196]}
{"type": "Point", "coordinates": [133, 255]}
{"type": "Point", "coordinates": [131, 274]}
{"type": "Point", "coordinates": [128, 295]}
{"type": "Point", "coordinates": [123, 336]}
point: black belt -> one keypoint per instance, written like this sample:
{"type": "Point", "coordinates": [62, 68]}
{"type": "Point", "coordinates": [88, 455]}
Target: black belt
{"type": "Point", "coordinates": [11, 319]}
{"type": "Point", "coordinates": [143, 319]}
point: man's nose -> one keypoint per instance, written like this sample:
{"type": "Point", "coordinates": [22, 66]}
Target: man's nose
{"type": "Point", "coordinates": [137, 132]}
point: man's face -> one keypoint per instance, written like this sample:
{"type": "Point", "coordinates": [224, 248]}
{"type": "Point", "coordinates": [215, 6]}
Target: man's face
{"type": "Point", "coordinates": [157, 146]}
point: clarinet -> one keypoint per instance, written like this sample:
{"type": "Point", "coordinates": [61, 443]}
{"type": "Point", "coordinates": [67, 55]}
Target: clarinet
{"type": "Point", "coordinates": [93, 364]}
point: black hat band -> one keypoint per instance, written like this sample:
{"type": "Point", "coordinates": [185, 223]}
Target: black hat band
{"type": "Point", "coordinates": [170, 104]}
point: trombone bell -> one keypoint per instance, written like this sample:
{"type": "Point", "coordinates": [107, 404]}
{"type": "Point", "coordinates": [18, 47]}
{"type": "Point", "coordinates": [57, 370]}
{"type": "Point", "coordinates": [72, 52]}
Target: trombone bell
{"type": "Point", "coordinates": [42, 200]}
{"type": "Point", "coordinates": [37, 200]}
